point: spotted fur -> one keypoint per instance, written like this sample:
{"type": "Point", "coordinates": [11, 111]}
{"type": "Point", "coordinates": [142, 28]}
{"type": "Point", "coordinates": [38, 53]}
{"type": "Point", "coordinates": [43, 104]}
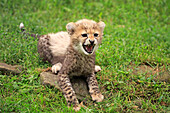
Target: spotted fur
{"type": "Point", "coordinates": [72, 53]}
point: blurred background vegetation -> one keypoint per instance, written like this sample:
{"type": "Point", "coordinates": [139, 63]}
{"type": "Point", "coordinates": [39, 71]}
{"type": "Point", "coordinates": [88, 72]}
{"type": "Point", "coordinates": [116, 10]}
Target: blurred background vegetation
{"type": "Point", "coordinates": [136, 35]}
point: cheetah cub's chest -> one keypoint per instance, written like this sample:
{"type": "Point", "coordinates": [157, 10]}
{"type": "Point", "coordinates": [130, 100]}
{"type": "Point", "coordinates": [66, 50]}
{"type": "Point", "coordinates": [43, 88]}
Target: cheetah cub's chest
{"type": "Point", "coordinates": [83, 67]}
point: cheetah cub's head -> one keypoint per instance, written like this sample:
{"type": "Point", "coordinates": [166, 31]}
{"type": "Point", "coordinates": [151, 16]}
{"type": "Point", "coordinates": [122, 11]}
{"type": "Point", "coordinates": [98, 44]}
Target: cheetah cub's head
{"type": "Point", "coordinates": [86, 35]}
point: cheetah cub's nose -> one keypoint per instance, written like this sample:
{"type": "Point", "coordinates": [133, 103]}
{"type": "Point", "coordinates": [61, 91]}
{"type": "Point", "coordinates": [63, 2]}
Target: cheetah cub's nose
{"type": "Point", "coordinates": [91, 42]}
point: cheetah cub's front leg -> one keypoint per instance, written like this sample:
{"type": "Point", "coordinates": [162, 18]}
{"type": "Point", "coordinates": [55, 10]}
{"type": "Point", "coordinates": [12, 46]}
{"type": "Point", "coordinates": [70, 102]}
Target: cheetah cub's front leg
{"type": "Point", "coordinates": [69, 93]}
{"type": "Point", "coordinates": [56, 68]}
{"type": "Point", "coordinates": [94, 89]}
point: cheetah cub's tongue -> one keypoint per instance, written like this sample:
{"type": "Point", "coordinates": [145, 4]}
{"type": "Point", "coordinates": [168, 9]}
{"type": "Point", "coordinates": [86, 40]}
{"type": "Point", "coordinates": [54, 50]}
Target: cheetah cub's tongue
{"type": "Point", "coordinates": [89, 48]}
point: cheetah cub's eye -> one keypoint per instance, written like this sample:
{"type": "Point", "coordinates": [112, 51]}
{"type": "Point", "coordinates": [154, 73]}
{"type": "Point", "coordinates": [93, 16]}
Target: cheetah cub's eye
{"type": "Point", "coordinates": [84, 35]}
{"type": "Point", "coordinates": [96, 35]}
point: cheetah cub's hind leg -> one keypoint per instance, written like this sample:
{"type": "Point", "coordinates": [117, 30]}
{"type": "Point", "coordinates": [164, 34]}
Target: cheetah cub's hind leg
{"type": "Point", "coordinates": [56, 68]}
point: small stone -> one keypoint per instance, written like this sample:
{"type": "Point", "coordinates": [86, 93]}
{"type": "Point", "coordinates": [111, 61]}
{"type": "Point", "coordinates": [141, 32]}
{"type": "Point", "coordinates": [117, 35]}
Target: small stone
{"type": "Point", "coordinates": [48, 78]}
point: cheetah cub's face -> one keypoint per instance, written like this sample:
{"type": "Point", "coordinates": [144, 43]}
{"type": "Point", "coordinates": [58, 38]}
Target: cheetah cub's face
{"type": "Point", "coordinates": [86, 35]}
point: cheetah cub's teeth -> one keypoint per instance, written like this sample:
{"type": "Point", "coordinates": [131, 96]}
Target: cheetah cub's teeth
{"type": "Point", "coordinates": [97, 68]}
{"type": "Point", "coordinates": [56, 68]}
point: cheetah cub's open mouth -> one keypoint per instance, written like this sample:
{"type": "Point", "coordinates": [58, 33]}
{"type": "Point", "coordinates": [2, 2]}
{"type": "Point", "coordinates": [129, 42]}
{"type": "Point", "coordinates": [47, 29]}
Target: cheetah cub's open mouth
{"type": "Point", "coordinates": [89, 47]}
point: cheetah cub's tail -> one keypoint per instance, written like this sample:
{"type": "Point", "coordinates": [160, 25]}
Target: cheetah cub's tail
{"type": "Point", "coordinates": [21, 26]}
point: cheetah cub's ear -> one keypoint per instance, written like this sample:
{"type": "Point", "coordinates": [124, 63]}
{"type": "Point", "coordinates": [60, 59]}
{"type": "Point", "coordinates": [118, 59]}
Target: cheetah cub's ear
{"type": "Point", "coordinates": [101, 25]}
{"type": "Point", "coordinates": [71, 27]}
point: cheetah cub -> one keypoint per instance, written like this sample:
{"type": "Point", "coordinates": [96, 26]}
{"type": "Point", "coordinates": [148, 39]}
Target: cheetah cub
{"type": "Point", "coordinates": [72, 53]}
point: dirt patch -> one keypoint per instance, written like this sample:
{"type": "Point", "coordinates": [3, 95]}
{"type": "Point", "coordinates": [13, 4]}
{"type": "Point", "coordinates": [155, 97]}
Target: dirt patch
{"type": "Point", "coordinates": [160, 73]}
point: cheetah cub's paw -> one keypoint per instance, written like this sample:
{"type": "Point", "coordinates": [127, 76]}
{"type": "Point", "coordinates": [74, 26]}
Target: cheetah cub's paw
{"type": "Point", "coordinates": [97, 68]}
{"type": "Point", "coordinates": [77, 108]}
{"type": "Point", "coordinates": [97, 97]}
{"type": "Point", "coordinates": [56, 68]}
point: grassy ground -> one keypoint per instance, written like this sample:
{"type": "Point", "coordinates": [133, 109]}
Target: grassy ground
{"type": "Point", "coordinates": [134, 55]}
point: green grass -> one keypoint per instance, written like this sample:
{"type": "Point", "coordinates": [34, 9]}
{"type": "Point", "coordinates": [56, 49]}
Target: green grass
{"type": "Point", "coordinates": [137, 33]}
